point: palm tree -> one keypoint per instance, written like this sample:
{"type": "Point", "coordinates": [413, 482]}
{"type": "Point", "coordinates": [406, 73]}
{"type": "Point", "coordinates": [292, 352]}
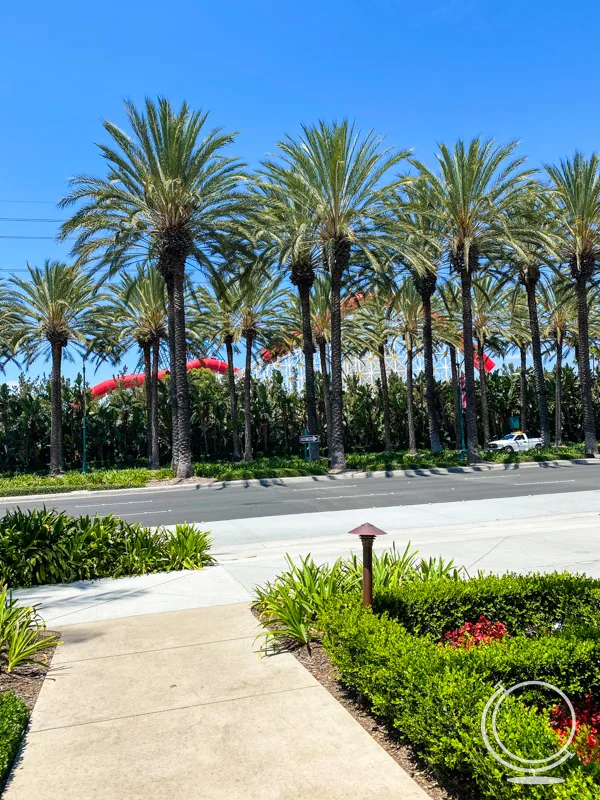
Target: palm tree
{"type": "Point", "coordinates": [559, 320]}
{"type": "Point", "coordinates": [169, 191]}
{"type": "Point", "coordinates": [449, 294]}
{"type": "Point", "coordinates": [518, 337]}
{"type": "Point", "coordinates": [339, 180]}
{"type": "Point", "coordinates": [216, 312]}
{"type": "Point", "coordinates": [136, 314]}
{"type": "Point", "coordinates": [408, 307]}
{"type": "Point", "coordinates": [478, 186]}
{"type": "Point", "coordinates": [54, 307]}
{"type": "Point", "coordinates": [377, 323]}
{"type": "Point", "coordinates": [287, 227]}
{"type": "Point", "coordinates": [261, 313]}
{"type": "Point", "coordinates": [489, 321]}
{"type": "Point", "coordinates": [575, 185]}
{"type": "Point", "coordinates": [529, 242]}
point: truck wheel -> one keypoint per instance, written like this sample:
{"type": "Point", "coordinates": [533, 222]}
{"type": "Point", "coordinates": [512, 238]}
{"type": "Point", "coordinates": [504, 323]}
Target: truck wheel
{"type": "Point", "coordinates": [509, 449]}
{"type": "Point", "coordinates": [538, 446]}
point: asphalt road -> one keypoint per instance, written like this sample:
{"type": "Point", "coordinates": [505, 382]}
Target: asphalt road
{"type": "Point", "coordinates": [168, 506]}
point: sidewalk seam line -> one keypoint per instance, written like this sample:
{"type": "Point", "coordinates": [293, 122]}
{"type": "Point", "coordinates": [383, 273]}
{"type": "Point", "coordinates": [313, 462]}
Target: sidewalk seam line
{"type": "Point", "coordinates": [315, 685]}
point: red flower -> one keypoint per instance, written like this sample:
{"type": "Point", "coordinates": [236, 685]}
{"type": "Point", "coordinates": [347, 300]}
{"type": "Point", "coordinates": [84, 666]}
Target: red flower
{"type": "Point", "coordinates": [474, 633]}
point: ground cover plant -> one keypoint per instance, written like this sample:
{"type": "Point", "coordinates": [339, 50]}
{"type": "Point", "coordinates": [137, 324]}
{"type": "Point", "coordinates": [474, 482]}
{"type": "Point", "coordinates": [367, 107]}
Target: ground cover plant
{"type": "Point", "coordinates": [427, 658]}
{"type": "Point", "coordinates": [45, 546]}
{"type": "Point", "coordinates": [37, 483]}
{"type": "Point", "coordinates": [25, 653]}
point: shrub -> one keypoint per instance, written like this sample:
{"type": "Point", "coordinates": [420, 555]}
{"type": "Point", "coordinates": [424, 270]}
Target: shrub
{"type": "Point", "coordinates": [533, 602]}
{"type": "Point", "coordinates": [434, 696]}
{"type": "Point", "coordinates": [41, 546]}
{"type": "Point", "coordinates": [261, 468]}
{"type": "Point", "coordinates": [13, 720]}
{"type": "Point", "coordinates": [22, 634]}
{"type": "Point", "coordinates": [32, 483]}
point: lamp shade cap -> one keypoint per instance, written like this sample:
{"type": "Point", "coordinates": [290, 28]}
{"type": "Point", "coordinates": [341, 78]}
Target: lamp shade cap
{"type": "Point", "coordinates": [366, 529]}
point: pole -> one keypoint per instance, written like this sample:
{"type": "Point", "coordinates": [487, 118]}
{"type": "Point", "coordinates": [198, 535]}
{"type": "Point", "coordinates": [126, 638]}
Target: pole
{"type": "Point", "coordinates": [367, 543]}
{"type": "Point", "coordinates": [84, 423]}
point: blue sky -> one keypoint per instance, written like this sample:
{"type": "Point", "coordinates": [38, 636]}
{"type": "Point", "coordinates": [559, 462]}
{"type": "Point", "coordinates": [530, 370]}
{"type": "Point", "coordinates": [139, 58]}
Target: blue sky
{"type": "Point", "coordinates": [418, 73]}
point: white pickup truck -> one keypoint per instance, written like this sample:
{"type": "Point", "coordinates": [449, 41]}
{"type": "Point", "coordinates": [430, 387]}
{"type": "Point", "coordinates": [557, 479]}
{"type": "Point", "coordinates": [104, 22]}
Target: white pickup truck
{"type": "Point", "coordinates": [514, 442]}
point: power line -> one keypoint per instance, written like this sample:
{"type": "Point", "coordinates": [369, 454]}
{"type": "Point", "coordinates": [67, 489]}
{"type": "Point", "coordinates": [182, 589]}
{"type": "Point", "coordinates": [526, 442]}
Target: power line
{"type": "Point", "coordinates": [29, 219]}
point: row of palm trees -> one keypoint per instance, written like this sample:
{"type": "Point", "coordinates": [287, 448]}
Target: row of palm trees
{"type": "Point", "coordinates": [333, 201]}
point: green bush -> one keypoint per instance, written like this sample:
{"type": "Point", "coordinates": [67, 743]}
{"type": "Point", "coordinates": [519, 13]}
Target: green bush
{"type": "Point", "coordinates": [434, 697]}
{"type": "Point", "coordinates": [32, 483]}
{"type": "Point", "coordinates": [520, 602]}
{"type": "Point", "coordinates": [42, 546]}
{"type": "Point", "coordinates": [261, 468]}
{"type": "Point", "coordinates": [13, 720]}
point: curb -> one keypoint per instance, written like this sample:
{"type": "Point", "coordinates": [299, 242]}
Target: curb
{"type": "Point", "coordinates": [395, 473]}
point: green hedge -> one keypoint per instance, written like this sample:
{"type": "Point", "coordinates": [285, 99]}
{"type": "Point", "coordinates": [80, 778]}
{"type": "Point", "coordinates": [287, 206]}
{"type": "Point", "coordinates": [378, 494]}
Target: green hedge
{"type": "Point", "coordinates": [536, 602]}
{"type": "Point", "coordinates": [40, 546]}
{"type": "Point", "coordinates": [434, 697]}
{"type": "Point", "coordinates": [32, 483]}
{"type": "Point", "coordinates": [13, 720]}
{"type": "Point", "coordinates": [261, 468]}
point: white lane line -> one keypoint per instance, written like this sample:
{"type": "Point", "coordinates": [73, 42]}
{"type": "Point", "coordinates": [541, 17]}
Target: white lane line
{"type": "Point", "coordinates": [544, 483]}
{"type": "Point", "coordinates": [345, 496]}
{"type": "Point", "coordinates": [128, 503]}
{"type": "Point", "coordinates": [141, 513]}
{"type": "Point", "coordinates": [323, 488]}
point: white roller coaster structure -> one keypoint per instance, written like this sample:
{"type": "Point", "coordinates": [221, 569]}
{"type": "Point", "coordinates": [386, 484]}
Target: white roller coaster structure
{"type": "Point", "coordinates": [291, 367]}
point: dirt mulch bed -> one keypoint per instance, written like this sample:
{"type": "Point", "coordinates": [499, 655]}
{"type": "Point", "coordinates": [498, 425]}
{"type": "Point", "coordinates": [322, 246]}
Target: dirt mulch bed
{"type": "Point", "coordinates": [319, 665]}
{"type": "Point", "coordinates": [26, 680]}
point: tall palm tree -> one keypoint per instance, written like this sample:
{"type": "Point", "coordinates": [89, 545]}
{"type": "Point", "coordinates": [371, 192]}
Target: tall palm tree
{"type": "Point", "coordinates": [489, 321]}
{"type": "Point", "coordinates": [136, 314]}
{"type": "Point", "coordinates": [517, 334]}
{"type": "Point", "coordinates": [169, 190]}
{"type": "Point", "coordinates": [559, 321]}
{"type": "Point", "coordinates": [54, 307]}
{"type": "Point", "coordinates": [262, 300]}
{"type": "Point", "coordinates": [215, 311]}
{"type": "Point", "coordinates": [575, 185]}
{"type": "Point", "coordinates": [408, 307]}
{"type": "Point", "coordinates": [287, 225]}
{"type": "Point", "coordinates": [528, 245]}
{"type": "Point", "coordinates": [450, 302]}
{"type": "Point", "coordinates": [340, 178]}
{"type": "Point", "coordinates": [476, 189]}
{"type": "Point", "coordinates": [376, 319]}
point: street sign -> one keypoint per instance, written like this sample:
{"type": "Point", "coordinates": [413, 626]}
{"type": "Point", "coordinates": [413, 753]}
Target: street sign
{"type": "Point", "coordinates": [305, 438]}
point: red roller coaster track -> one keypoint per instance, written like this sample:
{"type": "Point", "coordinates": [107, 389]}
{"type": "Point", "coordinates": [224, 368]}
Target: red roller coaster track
{"type": "Point", "coordinates": [137, 379]}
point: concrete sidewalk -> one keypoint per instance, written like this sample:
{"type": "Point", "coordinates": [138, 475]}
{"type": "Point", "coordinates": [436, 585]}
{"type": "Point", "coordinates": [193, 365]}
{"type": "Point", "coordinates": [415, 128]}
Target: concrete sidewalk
{"type": "Point", "coordinates": [178, 705]}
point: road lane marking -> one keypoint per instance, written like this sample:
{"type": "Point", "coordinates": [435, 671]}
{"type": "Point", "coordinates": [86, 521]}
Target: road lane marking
{"type": "Point", "coordinates": [345, 496]}
{"type": "Point", "coordinates": [323, 488]}
{"type": "Point", "coordinates": [141, 513]}
{"type": "Point", "coordinates": [128, 503]}
{"type": "Point", "coordinates": [544, 483]}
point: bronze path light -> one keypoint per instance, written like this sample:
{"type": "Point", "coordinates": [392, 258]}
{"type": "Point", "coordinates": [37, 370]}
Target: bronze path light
{"type": "Point", "coordinates": [367, 533]}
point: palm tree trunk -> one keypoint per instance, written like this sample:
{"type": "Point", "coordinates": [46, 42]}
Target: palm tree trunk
{"type": "Point", "coordinates": [309, 366]}
{"type": "Point", "coordinates": [558, 395]}
{"type": "Point", "coordinates": [326, 389]}
{"type": "Point", "coordinates": [385, 396]}
{"type": "Point", "coordinates": [585, 378]}
{"type": "Point", "coordinates": [154, 407]}
{"type": "Point", "coordinates": [538, 367]}
{"type": "Point", "coordinates": [410, 402]}
{"type": "Point", "coordinates": [434, 433]}
{"type": "Point", "coordinates": [485, 413]}
{"type": "Point", "coordinates": [185, 468]}
{"type": "Point", "coordinates": [173, 375]}
{"type": "Point", "coordinates": [457, 398]}
{"type": "Point", "coordinates": [523, 388]}
{"type": "Point", "coordinates": [148, 392]}
{"type": "Point", "coordinates": [341, 257]}
{"type": "Point", "coordinates": [56, 439]}
{"type": "Point", "coordinates": [471, 410]}
{"type": "Point", "coordinates": [233, 403]}
{"type": "Point", "coordinates": [247, 399]}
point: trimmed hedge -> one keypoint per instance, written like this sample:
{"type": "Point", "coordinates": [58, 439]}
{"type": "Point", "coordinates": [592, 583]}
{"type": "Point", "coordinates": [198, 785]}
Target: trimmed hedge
{"type": "Point", "coordinates": [522, 602]}
{"type": "Point", "coordinates": [42, 546]}
{"type": "Point", "coordinates": [434, 697]}
{"type": "Point", "coordinates": [13, 721]}
{"type": "Point", "coordinates": [260, 468]}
